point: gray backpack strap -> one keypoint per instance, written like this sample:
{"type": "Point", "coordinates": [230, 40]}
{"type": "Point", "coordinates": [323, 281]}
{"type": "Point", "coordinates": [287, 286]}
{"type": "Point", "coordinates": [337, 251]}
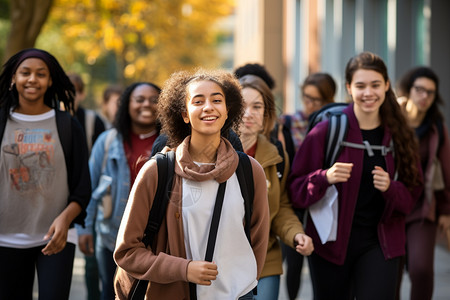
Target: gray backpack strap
{"type": "Point", "coordinates": [89, 124]}
{"type": "Point", "coordinates": [111, 135]}
{"type": "Point", "coordinates": [337, 131]}
{"type": "Point", "coordinates": [366, 146]}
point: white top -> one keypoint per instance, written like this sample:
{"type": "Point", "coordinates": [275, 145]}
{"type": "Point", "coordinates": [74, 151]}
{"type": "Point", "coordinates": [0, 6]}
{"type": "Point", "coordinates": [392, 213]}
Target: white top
{"type": "Point", "coordinates": [233, 254]}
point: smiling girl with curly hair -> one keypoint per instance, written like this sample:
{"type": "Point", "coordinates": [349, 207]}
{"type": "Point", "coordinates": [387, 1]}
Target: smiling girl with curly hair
{"type": "Point", "coordinates": [197, 109]}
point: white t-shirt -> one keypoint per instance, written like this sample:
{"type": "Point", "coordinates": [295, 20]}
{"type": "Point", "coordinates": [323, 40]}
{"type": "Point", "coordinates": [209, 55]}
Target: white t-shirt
{"type": "Point", "coordinates": [33, 180]}
{"type": "Point", "coordinates": [233, 254]}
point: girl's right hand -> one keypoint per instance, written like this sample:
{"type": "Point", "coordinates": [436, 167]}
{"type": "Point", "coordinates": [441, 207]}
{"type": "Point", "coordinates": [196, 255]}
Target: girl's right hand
{"type": "Point", "coordinates": [339, 172]}
{"type": "Point", "coordinates": [86, 244]}
{"type": "Point", "coordinates": [201, 272]}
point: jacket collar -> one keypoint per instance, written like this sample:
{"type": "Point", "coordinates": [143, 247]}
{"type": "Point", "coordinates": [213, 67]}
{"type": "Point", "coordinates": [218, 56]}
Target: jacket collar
{"type": "Point", "coordinates": [266, 152]}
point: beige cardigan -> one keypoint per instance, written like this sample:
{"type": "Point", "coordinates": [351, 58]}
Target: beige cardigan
{"type": "Point", "coordinates": [283, 221]}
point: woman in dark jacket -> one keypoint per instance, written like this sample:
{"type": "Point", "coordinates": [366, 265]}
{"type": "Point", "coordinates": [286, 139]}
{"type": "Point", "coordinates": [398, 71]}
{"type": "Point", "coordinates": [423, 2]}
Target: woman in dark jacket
{"type": "Point", "coordinates": [420, 100]}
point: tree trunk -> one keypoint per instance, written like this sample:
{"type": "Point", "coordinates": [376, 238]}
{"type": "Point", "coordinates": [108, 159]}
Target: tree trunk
{"type": "Point", "coordinates": [27, 19]}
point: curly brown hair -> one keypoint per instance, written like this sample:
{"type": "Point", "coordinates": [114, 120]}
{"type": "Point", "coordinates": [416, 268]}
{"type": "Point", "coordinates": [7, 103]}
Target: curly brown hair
{"type": "Point", "coordinates": [405, 141]}
{"type": "Point", "coordinates": [172, 102]}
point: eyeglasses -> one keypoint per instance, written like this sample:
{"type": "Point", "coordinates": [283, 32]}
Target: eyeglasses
{"type": "Point", "coordinates": [422, 90]}
{"type": "Point", "coordinates": [141, 100]}
{"type": "Point", "coordinates": [308, 98]}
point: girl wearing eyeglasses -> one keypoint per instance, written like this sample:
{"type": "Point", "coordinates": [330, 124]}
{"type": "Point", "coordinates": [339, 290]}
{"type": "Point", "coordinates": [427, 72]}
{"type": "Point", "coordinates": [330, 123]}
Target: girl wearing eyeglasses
{"type": "Point", "coordinates": [420, 102]}
{"type": "Point", "coordinates": [318, 89]}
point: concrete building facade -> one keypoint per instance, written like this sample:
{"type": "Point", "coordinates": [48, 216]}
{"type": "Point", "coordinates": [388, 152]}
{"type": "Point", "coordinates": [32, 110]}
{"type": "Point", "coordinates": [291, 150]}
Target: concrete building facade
{"type": "Point", "coordinates": [293, 38]}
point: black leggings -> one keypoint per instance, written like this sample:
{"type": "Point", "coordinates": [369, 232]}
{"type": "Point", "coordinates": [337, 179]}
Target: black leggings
{"type": "Point", "coordinates": [18, 266]}
{"type": "Point", "coordinates": [420, 243]}
{"type": "Point", "coordinates": [365, 275]}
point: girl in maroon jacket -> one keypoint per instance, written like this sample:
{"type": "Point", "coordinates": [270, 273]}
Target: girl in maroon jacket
{"type": "Point", "coordinates": [375, 191]}
{"type": "Point", "coordinates": [420, 103]}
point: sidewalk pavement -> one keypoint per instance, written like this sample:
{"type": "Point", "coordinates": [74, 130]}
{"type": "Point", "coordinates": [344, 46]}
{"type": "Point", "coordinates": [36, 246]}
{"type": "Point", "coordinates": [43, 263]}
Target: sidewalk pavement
{"type": "Point", "coordinates": [441, 279]}
{"type": "Point", "coordinates": [441, 285]}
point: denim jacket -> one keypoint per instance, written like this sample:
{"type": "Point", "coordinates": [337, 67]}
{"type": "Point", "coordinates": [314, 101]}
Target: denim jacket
{"type": "Point", "coordinates": [116, 178]}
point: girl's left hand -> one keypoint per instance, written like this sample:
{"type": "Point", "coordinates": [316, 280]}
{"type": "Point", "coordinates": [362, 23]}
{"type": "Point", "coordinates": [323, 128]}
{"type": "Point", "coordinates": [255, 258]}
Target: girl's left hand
{"type": "Point", "coordinates": [381, 179]}
{"type": "Point", "coordinates": [303, 244]}
{"type": "Point", "coordinates": [57, 235]}
{"type": "Point", "coordinates": [444, 223]}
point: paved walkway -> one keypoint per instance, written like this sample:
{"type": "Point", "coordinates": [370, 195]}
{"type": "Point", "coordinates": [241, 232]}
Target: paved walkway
{"type": "Point", "coordinates": [441, 291]}
{"type": "Point", "coordinates": [441, 277]}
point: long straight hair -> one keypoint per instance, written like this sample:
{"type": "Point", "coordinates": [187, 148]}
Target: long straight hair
{"type": "Point", "coordinates": [405, 142]}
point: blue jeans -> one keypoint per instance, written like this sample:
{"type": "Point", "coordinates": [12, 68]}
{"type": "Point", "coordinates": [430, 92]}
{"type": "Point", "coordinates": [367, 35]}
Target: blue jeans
{"type": "Point", "coordinates": [91, 276]}
{"type": "Point", "coordinates": [106, 269]}
{"type": "Point", "coordinates": [268, 288]}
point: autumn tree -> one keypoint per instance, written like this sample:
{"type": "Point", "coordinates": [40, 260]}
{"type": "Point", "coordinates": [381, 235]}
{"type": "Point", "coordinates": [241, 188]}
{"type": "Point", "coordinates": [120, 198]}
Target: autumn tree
{"type": "Point", "coordinates": [27, 18]}
{"type": "Point", "coordinates": [149, 39]}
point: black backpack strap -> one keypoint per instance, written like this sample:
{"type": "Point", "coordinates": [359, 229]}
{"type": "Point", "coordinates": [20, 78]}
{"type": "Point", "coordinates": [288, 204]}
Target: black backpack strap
{"type": "Point", "coordinates": [244, 174]}
{"type": "Point", "coordinates": [288, 122]}
{"type": "Point", "coordinates": [166, 165]}
{"type": "Point", "coordinates": [215, 222]}
{"type": "Point", "coordinates": [64, 126]}
{"type": "Point", "coordinates": [214, 227]}
{"type": "Point", "coordinates": [3, 119]}
{"type": "Point", "coordinates": [281, 165]}
{"type": "Point", "coordinates": [289, 144]}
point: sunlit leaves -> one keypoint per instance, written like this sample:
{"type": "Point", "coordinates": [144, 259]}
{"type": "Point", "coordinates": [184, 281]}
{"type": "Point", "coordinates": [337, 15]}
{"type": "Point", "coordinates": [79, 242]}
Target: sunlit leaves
{"type": "Point", "coordinates": [150, 38]}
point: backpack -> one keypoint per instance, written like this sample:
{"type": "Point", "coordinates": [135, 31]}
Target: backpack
{"type": "Point", "coordinates": [131, 288]}
{"type": "Point", "coordinates": [107, 203]}
{"type": "Point", "coordinates": [89, 124]}
{"type": "Point", "coordinates": [280, 165]}
{"type": "Point", "coordinates": [166, 165]}
{"type": "Point", "coordinates": [337, 132]}
{"type": "Point", "coordinates": [288, 140]}
{"type": "Point", "coordinates": [289, 148]}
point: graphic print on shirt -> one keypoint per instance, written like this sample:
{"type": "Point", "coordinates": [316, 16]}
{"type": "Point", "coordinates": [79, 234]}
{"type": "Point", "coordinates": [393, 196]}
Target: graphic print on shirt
{"type": "Point", "coordinates": [33, 150]}
{"type": "Point", "coordinates": [194, 192]}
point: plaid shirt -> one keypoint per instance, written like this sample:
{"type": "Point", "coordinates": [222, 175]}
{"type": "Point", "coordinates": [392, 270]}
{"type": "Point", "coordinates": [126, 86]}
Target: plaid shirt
{"type": "Point", "coordinates": [298, 126]}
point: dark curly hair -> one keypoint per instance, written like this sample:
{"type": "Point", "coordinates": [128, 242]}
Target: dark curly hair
{"type": "Point", "coordinates": [172, 102]}
{"type": "Point", "coordinates": [122, 121]}
{"type": "Point", "coordinates": [257, 70]}
{"type": "Point", "coordinates": [61, 90]}
{"type": "Point", "coordinates": [407, 81]}
{"type": "Point", "coordinates": [405, 142]}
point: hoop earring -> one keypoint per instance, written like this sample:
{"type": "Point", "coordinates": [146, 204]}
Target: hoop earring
{"type": "Point", "coordinates": [11, 86]}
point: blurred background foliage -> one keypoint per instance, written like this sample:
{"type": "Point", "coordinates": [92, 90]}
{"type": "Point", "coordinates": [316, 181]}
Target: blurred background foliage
{"type": "Point", "coordinates": [122, 41]}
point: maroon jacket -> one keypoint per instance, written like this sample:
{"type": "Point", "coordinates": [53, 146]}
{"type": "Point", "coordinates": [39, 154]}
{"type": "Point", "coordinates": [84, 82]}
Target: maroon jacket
{"type": "Point", "coordinates": [308, 184]}
{"type": "Point", "coordinates": [432, 203]}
